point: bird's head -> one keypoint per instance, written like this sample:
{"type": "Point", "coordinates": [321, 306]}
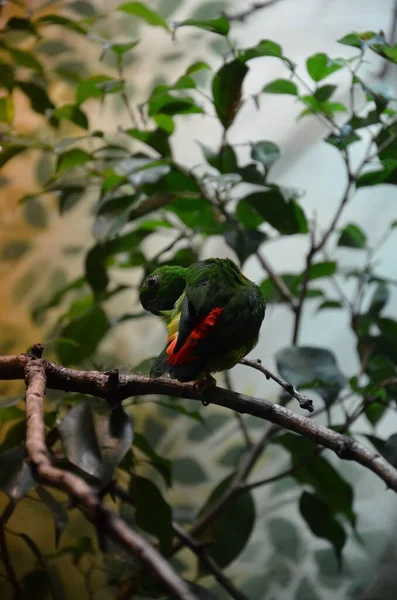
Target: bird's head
{"type": "Point", "coordinates": [162, 288]}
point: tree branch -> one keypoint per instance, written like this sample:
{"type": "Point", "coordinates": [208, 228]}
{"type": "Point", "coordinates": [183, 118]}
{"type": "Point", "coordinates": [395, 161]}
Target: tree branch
{"type": "Point", "coordinates": [304, 401]}
{"type": "Point", "coordinates": [109, 522]}
{"type": "Point", "coordinates": [244, 14]}
{"type": "Point", "coordinates": [95, 383]}
{"type": "Point", "coordinates": [277, 281]}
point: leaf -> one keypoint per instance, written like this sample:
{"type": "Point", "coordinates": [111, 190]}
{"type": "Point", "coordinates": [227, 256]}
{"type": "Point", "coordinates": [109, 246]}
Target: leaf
{"type": "Point", "coordinates": [379, 299]}
{"type": "Point", "coordinates": [163, 465]}
{"type": "Point", "coordinates": [343, 140]}
{"type": "Point", "coordinates": [281, 86]}
{"type": "Point", "coordinates": [91, 88]}
{"type": "Point", "coordinates": [319, 66]}
{"type": "Point", "coordinates": [387, 448]}
{"type": "Point", "coordinates": [324, 92]}
{"type": "Point", "coordinates": [352, 237]}
{"type": "Point", "coordinates": [362, 40]}
{"type": "Point", "coordinates": [302, 365]}
{"type": "Point", "coordinates": [115, 435]}
{"type": "Point", "coordinates": [178, 409]}
{"type": "Point", "coordinates": [72, 159]}
{"type": "Point", "coordinates": [87, 331]}
{"type": "Point", "coordinates": [26, 59]}
{"type": "Point", "coordinates": [188, 471]}
{"type": "Point", "coordinates": [226, 91]}
{"type": "Point", "coordinates": [229, 542]}
{"type": "Point", "coordinates": [153, 514]}
{"type": "Point", "coordinates": [330, 304]}
{"type": "Point", "coordinates": [14, 249]}
{"type": "Point", "coordinates": [219, 25]}
{"type": "Point", "coordinates": [285, 538]}
{"type": "Point", "coordinates": [7, 77]}
{"type": "Point", "coordinates": [278, 207]}
{"type": "Point", "coordinates": [143, 12]}
{"type": "Point", "coordinates": [322, 522]}
{"type": "Point", "coordinates": [22, 24]}
{"type": "Point", "coordinates": [263, 48]}
{"type": "Point", "coordinates": [6, 110]}
{"type": "Point", "coordinates": [8, 153]}
{"type": "Point", "coordinates": [380, 176]}
{"type": "Point", "coordinates": [323, 269]}
{"type": "Point", "coordinates": [306, 591]}
{"type": "Point", "coordinates": [225, 161]}
{"type": "Point", "coordinates": [38, 97]}
{"type": "Point", "coordinates": [156, 138]}
{"type": "Point", "coordinates": [79, 439]}
{"type": "Point", "coordinates": [57, 590]}
{"type": "Point", "coordinates": [58, 512]}
{"type": "Point", "coordinates": [247, 215]}
{"type": "Point", "coordinates": [244, 242]}
{"type": "Point", "coordinates": [35, 213]}
{"type": "Point", "coordinates": [265, 152]}
{"type": "Point", "coordinates": [84, 8]}
{"type": "Point", "coordinates": [71, 112]}
{"type": "Point", "coordinates": [62, 21]}
{"type": "Point", "coordinates": [16, 477]}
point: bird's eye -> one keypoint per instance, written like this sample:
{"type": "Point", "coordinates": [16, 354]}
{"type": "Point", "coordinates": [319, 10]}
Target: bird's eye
{"type": "Point", "coordinates": [151, 281]}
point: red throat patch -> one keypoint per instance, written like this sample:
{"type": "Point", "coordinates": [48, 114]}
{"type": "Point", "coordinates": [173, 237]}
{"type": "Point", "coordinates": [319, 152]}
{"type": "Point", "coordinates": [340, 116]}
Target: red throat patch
{"type": "Point", "coordinates": [185, 355]}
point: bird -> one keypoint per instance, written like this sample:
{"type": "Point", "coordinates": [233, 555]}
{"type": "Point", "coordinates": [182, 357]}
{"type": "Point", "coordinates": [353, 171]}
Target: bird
{"type": "Point", "coordinates": [213, 313]}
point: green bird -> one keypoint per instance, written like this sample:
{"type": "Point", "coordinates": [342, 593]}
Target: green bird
{"type": "Point", "coordinates": [212, 324]}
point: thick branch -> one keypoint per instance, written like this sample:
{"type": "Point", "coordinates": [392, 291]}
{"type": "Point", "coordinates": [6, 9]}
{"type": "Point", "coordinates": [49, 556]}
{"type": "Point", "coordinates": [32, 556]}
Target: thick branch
{"type": "Point", "coordinates": [96, 384]}
{"type": "Point", "coordinates": [109, 522]}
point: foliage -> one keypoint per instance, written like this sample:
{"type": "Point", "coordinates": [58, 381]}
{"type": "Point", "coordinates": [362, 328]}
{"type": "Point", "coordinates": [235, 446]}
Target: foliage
{"type": "Point", "coordinates": [140, 191]}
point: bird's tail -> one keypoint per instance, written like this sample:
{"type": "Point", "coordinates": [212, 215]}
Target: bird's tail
{"type": "Point", "coordinates": [160, 366]}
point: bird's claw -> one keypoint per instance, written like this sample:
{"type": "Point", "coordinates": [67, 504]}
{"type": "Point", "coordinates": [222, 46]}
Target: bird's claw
{"type": "Point", "coordinates": [205, 385]}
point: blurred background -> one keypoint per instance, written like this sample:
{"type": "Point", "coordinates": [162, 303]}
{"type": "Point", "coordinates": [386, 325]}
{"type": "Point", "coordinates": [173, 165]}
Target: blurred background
{"type": "Point", "coordinates": [41, 251]}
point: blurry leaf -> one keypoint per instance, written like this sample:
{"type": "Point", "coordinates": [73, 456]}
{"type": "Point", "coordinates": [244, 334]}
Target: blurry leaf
{"type": "Point", "coordinates": [343, 139]}
{"type": "Point", "coordinates": [14, 249]}
{"type": "Point", "coordinates": [7, 153]}
{"type": "Point", "coordinates": [330, 304]}
{"type": "Point", "coordinates": [379, 299]}
{"type": "Point", "coordinates": [324, 92]}
{"type": "Point", "coordinates": [362, 40]}
{"type": "Point", "coordinates": [263, 48]}
{"type": "Point", "coordinates": [58, 296]}
{"type": "Point", "coordinates": [374, 412]}
{"type": "Point", "coordinates": [23, 58]}
{"type": "Point", "coordinates": [82, 7]}
{"type": "Point", "coordinates": [306, 591]}
{"type": "Point", "coordinates": [232, 457]}
{"type": "Point", "coordinates": [323, 269]}
{"type": "Point", "coordinates": [266, 153]}
{"type": "Point", "coordinates": [153, 514]}
{"type": "Point", "coordinates": [20, 23]}
{"type": "Point", "coordinates": [197, 66]}
{"type": "Point", "coordinates": [16, 477]}
{"type": "Point", "coordinates": [281, 86]}
{"type": "Point", "coordinates": [386, 141]}
{"type": "Point", "coordinates": [58, 512]}
{"type": "Point", "coordinates": [385, 175]}
{"type": "Point", "coordinates": [163, 465]}
{"type": "Point", "coordinates": [35, 585]}
{"type": "Point", "coordinates": [201, 431]}
{"type": "Point", "coordinates": [278, 207]}
{"type": "Point", "coordinates": [220, 25]}
{"type": "Point", "coordinates": [285, 538]}
{"type": "Point", "coordinates": [387, 448]}
{"type": "Point", "coordinates": [244, 242]}
{"type": "Point", "coordinates": [322, 522]}
{"type": "Point", "coordinates": [53, 47]}
{"type": "Point", "coordinates": [62, 21]}
{"type": "Point", "coordinates": [54, 583]}
{"type": "Point", "coordinates": [115, 435]}
{"type": "Point", "coordinates": [178, 409]}
{"type": "Point", "coordinates": [320, 66]}
{"type": "Point", "coordinates": [71, 112]}
{"type": "Point", "coordinates": [90, 88]}
{"type": "Point", "coordinates": [71, 159]}
{"type": "Point", "coordinates": [87, 331]}
{"type": "Point", "coordinates": [188, 471]}
{"type": "Point", "coordinates": [7, 77]}
{"type": "Point", "coordinates": [229, 542]}
{"type": "Point", "coordinates": [121, 49]}
{"type": "Point", "coordinates": [302, 365]}
{"type": "Point", "coordinates": [79, 439]}
{"type": "Point", "coordinates": [225, 161]}
{"type": "Point", "coordinates": [157, 139]}
{"type": "Point", "coordinates": [68, 196]}
{"type": "Point", "coordinates": [6, 110]}
{"type": "Point", "coordinates": [352, 237]}
{"type": "Point", "coordinates": [163, 102]}
{"type": "Point", "coordinates": [35, 213]}
{"type": "Point", "coordinates": [226, 91]}
{"type": "Point", "coordinates": [248, 216]}
{"type": "Point", "coordinates": [143, 12]}
{"type": "Point", "coordinates": [201, 593]}
{"type": "Point", "coordinates": [38, 97]}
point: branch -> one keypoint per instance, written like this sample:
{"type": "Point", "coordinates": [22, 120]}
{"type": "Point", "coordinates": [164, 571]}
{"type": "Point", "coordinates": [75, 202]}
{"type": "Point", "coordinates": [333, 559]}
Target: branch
{"type": "Point", "coordinates": [255, 6]}
{"type": "Point", "coordinates": [304, 401]}
{"type": "Point", "coordinates": [199, 549]}
{"type": "Point", "coordinates": [109, 522]}
{"type": "Point", "coordinates": [277, 281]}
{"type": "Point", "coordinates": [96, 383]}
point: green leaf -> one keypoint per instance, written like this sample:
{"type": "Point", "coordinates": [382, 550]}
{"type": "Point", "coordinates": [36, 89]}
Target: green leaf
{"type": "Point", "coordinates": [220, 25]}
{"type": "Point", "coordinates": [271, 293]}
{"type": "Point", "coordinates": [387, 448]}
{"type": "Point", "coordinates": [84, 8]}
{"type": "Point", "coordinates": [303, 365]}
{"type": "Point", "coordinates": [9, 152]}
{"type": "Point", "coordinates": [386, 175]}
{"type": "Point", "coordinates": [163, 465]}
{"type": "Point", "coordinates": [6, 110]}
{"type": "Point", "coordinates": [225, 161]}
{"type": "Point", "coordinates": [352, 237]}
{"type": "Point", "coordinates": [306, 591]}
{"type": "Point", "coordinates": [38, 97]}
{"type": "Point", "coordinates": [163, 102]}
{"type": "Point", "coordinates": [158, 139]}
{"type": "Point", "coordinates": [361, 40]}
{"type": "Point", "coordinates": [379, 299]}
{"type": "Point", "coordinates": [7, 77]}
{"type": "Point", "coordinates": [62, 21]}
{"type": "Point", "coordinates": [343, 140]}
{"type": "Point", "coordinates": [319, 66]}
{"type": "Point", "coordinates": [21, 24]}
{"type": "Point", "coordinates": [188, 471]}
{"type": "Point", "coordinates": [263, 48]}
{"type": "Point", "coordinates": [278, 207]}
{"type": "Point", "coordinates": [143, 12]}
{"type": "Point", "coordinates": [72, 159]}
{"type": "Point", "coordinates": [244, 242]}
{"type": "Point", "coordinates": [79, 439]}
{"type": "Point", "coordinates": [90, 88]}
{"type": "Point", "coordinates": [115, 435]}
{"type": "Point", "coordinates": [323, 269]}
{"type": "Point", "coordinates": [248, 216]}
{"type": "Point", "coordinates": [330, 304]}
{"type": "Point", "coordinates": [386, 141]}
{"type": "Point", "coordinates": [265, 152]}
{"type": "Point", "coordinates": [121, 49]}
{"type": "Point", "coordinates": [71, 112]}
{"type": "Point", "coordinates": [14, 249]}
{"type": "Point", "coordinates": [58, 512]}
{"type": "Point", "coordinates": [35, 213]}
{"type": "Point", "coordinates": [374, 412]}
{"type": "Point", "coordinates": [281, 86]}
{"type": "Point", "coordinates": [86, 331]}
{"type": "Point", "coordinates": [285, 538]}
{"type": "Point", "coordinates": [16, 477]}
{"type": "Point", "coordinates": [229, 542]}
{"type": "Point", "coordinates": [197, 66]}
{"type": "Point", "coordinates": [26, 59]}
{"type": "Point", "coordinates": [321, 522]}
{"type": "Point", "coordinates": [153, 514]}
{"type": "Point", "coordinates": [226, 91]}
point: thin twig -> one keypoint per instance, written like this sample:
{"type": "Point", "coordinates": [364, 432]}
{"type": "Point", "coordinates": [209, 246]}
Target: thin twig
{"type": "Point", "coordinates": [199, 549]}
{"type": "Point", "coordinates": [244, 14]}
{"type": "Point", "coordinates": [239, 418]}
{"type": "Point", "coordinates": [109, 522]}
{"type": "Point", "coordinates": [277, 281]}
{"type": "Point", "coordinates": [5, 556]}
{"type": "Point", "coordinates": [304, 401]}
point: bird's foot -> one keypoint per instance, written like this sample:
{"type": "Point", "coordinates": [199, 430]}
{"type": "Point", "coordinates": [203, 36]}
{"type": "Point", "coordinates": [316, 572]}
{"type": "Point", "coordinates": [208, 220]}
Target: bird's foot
{"type": "Point", "coordinates": [205, 385]}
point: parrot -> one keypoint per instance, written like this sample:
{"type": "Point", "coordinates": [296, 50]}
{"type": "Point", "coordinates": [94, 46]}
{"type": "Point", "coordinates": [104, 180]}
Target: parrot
{"type": "Point", "coordinates": [213, 313]}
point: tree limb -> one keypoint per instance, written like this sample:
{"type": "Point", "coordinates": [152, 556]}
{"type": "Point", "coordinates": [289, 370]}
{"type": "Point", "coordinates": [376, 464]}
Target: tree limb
{"type": "Point", "coordinates": [109, 522]}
